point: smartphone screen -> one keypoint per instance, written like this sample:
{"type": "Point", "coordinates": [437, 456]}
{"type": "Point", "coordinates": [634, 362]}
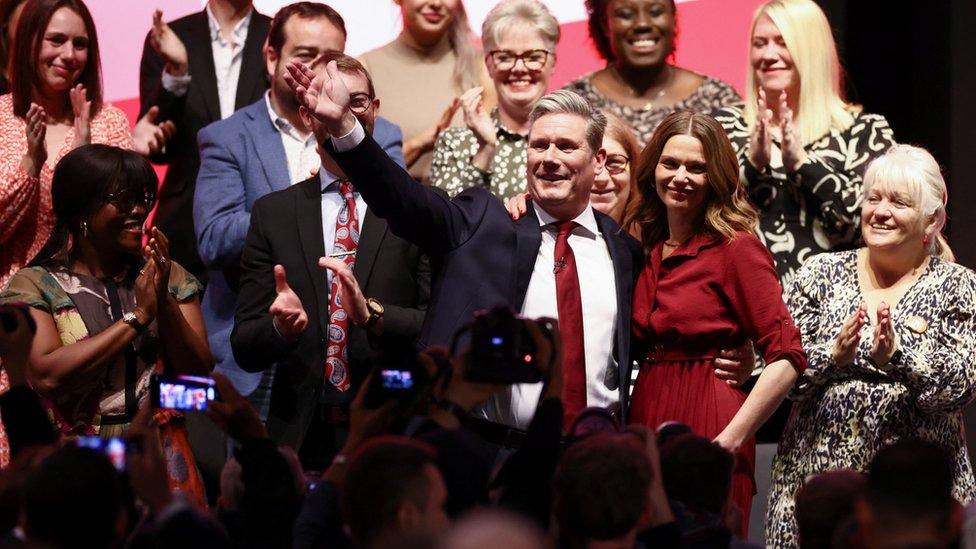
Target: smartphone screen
{"type": "Point", "coordinates": [397, 379]}
{"type": "Point", "coordinates": [183, 392]}
{"type": "Point", "coordinates": [113, 448]}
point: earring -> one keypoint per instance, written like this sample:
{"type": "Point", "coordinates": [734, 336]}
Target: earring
{"type": "Point", "coordinates": [84, 228]}
{"type": "Point", "coordinates": [925, 241]}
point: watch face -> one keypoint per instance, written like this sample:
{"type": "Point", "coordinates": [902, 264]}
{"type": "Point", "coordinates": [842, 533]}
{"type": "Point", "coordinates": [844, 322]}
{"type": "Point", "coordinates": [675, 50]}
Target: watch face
{"type": "Point", "coordinates": [375, 307]}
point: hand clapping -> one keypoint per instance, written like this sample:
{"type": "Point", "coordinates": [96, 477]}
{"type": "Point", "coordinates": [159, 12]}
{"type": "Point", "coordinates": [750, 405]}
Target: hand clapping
{"type": "Point", "coordinates": [168, 46]}
{"type": "Point", "coordinates": [760, 144]}
{"type": "Point", "coordinates": [352, 298]}
{"type": "Point", "coordinates": [36, 145]}
{"type": "Point", "coordinates": [81, 108]}
{"type": "Point", "coordinates": [476, 117]}
{"type": "Point", "coordinates": [845, 346]}
{"type": "Point", "coordinates": [885, 341]}
{"type": "Point", "coordinates": [287, 311]}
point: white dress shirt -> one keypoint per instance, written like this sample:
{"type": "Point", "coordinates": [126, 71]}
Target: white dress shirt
{"type": "Point", "coordinates": [227, 56]}
{"type": "Point", "coordinates": [300, 149]}
{"type": "Point", "coordinates": [598, 293]}
{"type": "Point", "coordinates": [332, 204]}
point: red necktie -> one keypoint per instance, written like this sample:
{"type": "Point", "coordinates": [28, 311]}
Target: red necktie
{"type": "Point", "coordinates": [346, 238]}
{"type": "Point", "coordinates": [570, 308]}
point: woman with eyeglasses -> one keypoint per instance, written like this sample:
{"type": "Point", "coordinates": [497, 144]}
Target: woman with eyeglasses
{"type": "Point", "coordinates": [639, 84]}
{"type": "Point", "coordinates": [614, 188]}
{"type": "Point", "coordinates": [421, 73]}
{"type": "Point", "coordinates": [109, 311]}
{"type": "Point", "coordinates": [520, 39]}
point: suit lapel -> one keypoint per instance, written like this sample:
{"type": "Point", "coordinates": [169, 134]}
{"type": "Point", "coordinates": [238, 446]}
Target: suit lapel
{"type": "Point", "coordinates": [200, 53]}
{"type": "Point", "coordinates": [528, 240]}
{"type": "Point", "coordinates": [252, 63]}
{"type": "Point", "coordinates": [623, 269]}
{"type": "Point", "coordinates": [308, 211]}
{"type": "Point", "coordinates": [371, 235]}
{"type": "Point", "coordinates": [268, 145]}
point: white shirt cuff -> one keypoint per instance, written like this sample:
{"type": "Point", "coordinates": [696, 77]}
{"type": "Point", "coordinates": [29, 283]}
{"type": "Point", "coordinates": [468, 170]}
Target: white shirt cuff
{"type": "Point", "coordinates": [351, 139]}
{"type": "Point", "coordinates": [176, 85]}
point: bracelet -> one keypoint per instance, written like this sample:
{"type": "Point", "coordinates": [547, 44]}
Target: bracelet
{"type": "Point", "coordinates": [454, 408]}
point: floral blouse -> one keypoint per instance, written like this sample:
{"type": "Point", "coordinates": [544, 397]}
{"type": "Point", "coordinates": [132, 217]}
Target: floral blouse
{"type": "Point", "coordinates": [80, 306]}
{"type": "Point", "coordinates": [817, 208]}
{"type": "Point", "coordinates": [452, 169]}
{"type": "Point", "coordinates": [712, 95]}
{"type": "Point", "coordinates": [843, 415]}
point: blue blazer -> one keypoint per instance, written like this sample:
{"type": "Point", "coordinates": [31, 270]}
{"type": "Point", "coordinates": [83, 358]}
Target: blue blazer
{"type": "Point", "coordinates": [484, 257]}
{"type": "Point", "coordinates": [241, 160]}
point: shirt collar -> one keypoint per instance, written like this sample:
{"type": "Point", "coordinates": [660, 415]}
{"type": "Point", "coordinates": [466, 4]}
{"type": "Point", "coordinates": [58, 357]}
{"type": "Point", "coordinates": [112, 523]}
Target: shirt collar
{"type": "Point", "coordinates": [328, 181]}
{"type": "Point", "coordinates": [500, 128]}
{"type": "Point", "coordinates": [691, 247]}
{"type": "Point", "coordinates": [585, 219]}
{"type": "Point", "coordinates": [239, 32]}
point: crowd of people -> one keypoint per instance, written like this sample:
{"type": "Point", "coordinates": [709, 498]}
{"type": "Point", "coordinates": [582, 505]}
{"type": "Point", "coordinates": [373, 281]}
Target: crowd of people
{"type": "Point", "coordinates": [440, 305]}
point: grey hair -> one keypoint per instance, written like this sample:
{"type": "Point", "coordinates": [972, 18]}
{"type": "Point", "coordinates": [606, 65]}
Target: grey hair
{"type": "Point", "coordinates": [568, 102]}
{"type": "Point", "coordinates": [918, 169]}
{"type": "Point", "coordinates": [511, 13]}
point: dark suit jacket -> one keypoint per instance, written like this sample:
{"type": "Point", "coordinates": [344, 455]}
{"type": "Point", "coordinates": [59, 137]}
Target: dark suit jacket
{"type": "Point", "coordinates": [484, 258]}
{"type": "Point", "coordinates": [286, 229]}
{"type": "Point", "coordinates": [199, 107]}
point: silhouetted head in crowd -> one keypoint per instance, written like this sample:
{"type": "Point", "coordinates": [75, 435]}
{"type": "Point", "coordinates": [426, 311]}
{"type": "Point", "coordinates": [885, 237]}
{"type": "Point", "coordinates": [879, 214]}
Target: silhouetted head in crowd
{"type": "Point", "coordinates": [697, 472]}
{"type": "Point", "coordinates": [393, 491]}
{"type": "Point", "coordinates": [825, 504]}
{"type": "Point", "coordinates": [601, 490]}
{"type": "Point", "coordinates": [75, 498]}
{"type": "Point", "coordinates": [908, 500]}
{"type": "Point", "coordinates": [492, 528]}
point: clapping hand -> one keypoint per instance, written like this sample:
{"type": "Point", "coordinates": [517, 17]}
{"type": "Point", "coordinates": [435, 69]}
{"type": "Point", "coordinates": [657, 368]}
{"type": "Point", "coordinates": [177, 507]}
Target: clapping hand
{"type": "Point", "coordinates": [793, 154]}
{"type": "Point", "coordinates": [168, 46]}
{"type": "Point", "coordinates": [324, 95]}
{"type": "Point", "coordinates": [287, 311]}
{"type": "Point", "coordinates": [81, 108]}
{"type": "Point", "coordinates": [148, 137]}
{"type": "Point", "coordinates": [36, 146]}
{"type": "Point", "coordinates": [158, 250]}
{"type": "Point", "coordinates": [760, 143]}
{"type": "Point", "coordinates": [351, 297]}
{"type": "Point", "coordinates": [885, 341]}
{"type": "Point", "coordinates": [845, 346]}
{"type": "Point", "coordinates": [476, 117]}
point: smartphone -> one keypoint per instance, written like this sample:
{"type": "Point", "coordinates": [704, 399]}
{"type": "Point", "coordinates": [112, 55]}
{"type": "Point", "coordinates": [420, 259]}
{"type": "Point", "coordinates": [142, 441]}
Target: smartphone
{"type": "Point", "coordinates": [395, 378]}
{"type": "Point", "coordinates": [182, 392]}
{"type": "Point", "coordinates": [113, 448]}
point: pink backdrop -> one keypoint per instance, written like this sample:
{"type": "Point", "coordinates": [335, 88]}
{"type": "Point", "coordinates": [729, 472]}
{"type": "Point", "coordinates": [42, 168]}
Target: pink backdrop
{"type": "Point", "coordinates": [713, 36]}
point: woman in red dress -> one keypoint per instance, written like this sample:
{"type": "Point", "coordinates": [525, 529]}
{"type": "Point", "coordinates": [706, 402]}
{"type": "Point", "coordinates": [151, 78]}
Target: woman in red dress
{"type": "Point", "coordinates": [708, 284]}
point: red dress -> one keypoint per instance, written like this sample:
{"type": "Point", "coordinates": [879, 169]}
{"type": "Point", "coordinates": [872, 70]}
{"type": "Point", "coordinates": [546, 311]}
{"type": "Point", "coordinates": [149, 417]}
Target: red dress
{"type": "Point", "coordinates": [709, 294]}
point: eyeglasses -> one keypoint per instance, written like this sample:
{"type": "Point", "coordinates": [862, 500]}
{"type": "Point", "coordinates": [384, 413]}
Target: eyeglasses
{"type": "Point", "coordinates": [616, 163]}
{"type": "Point", "coordinates": [127, 199]}
{"type": "Point", "coordinates": [505, 60]}
{"type": "Point", "coordinates": [359, 103]}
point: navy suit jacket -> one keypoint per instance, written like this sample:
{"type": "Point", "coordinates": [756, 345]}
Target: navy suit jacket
{"type": "Point", "coordinates": [483, 258]}
{"type": "Point", "coordinates": [242, 159]}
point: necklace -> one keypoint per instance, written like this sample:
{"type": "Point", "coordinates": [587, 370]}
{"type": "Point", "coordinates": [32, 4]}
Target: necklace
{"type": "Point", "coordinates": [634, 93]}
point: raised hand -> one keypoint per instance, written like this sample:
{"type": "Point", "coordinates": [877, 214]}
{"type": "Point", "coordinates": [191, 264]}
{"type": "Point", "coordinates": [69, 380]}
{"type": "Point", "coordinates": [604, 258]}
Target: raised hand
{"type": "Point", "coordinates": [287, 311]}
{"type": "Point", "coordinates": [845, 346]}
{"type": "Point", "coordinates": [324, 95]}
{"type": "Point", "coordinates": [884, 342]}
{"type": "Point", "coordinates": [735, 365]}
{"type": "Point", "coordinates": [81, 107]}
{"type": "Point", "coordinates": [476, 118]}
{"type": "Point", "coordinates": [158, 250]}
{"type": "Point", "coordinates": [36, 146]}
{"type": "Point", "coordinates": [760, 143]}
{"type": "Point", "coordinates": [351, 297]}
{"type": "Point", "coordinates": [148, 137]}
{"type": "Point", "coordinates": [793, 154]}
{"type": "Point", "coordinates": [168, 46]}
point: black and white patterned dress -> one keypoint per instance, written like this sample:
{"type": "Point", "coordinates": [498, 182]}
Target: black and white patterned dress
{"type": "Point", "coordinates": [817, 208]}
{"type": "Point", "coordinates": [453, 171]}
{"type": "Point", "coordinates": [711, 95]}
{"type": "Point", "coordinates": [842, 416]}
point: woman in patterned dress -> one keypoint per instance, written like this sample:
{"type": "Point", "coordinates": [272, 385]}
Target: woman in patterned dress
{"type": "Point", "coordinates": [637, 38]}
{"type": "Point", "coordinates": [108, 310]}
{"type": "Point", "coordinates": [520, 39]}
{"type": "Point", "coordinates": [890, 333]}
{"type": "Point", "coordinates": [708, 285]}
{"type": "Point", "coordinates": [802, 147]}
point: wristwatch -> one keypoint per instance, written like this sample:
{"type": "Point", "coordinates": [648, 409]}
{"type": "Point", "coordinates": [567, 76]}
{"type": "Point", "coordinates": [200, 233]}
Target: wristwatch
{"type": "Point", "coordinates": [376, 310]}
{"type": "Point", "coordinates": [132, 320]}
